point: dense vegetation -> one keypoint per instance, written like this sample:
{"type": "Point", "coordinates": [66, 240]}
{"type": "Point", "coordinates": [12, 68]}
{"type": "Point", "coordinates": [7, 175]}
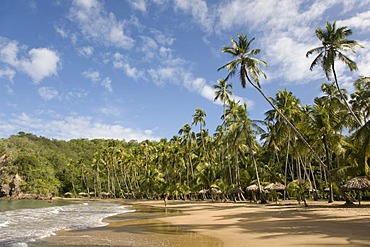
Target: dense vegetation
{"type": "Point", "coordinates": [302, 146]}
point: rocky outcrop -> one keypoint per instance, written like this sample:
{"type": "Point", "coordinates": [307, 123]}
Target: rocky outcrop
{"type": "Point", "coordinates": [10, 184]}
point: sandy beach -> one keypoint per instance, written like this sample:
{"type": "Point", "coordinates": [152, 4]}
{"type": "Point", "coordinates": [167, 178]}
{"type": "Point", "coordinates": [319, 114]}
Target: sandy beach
{"type": "Point", "coordinates": [185, 223]}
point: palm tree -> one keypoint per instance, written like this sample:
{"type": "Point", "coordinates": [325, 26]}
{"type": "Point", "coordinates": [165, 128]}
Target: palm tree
{"type": "Point", "coordinates": [198, 117]}
{"type": "Point", "coordinates": [291, 107]}
{"type": "Point", "coordinates": [222, 91]}
{"type": "Point", "coordinates": [361, 99]}
{"type": "Point", "coordinates": [327, 120]}
{"type": "Point", "coordinates": [186, 137]}
{"type": "Point", "coordinates": [334, 43]}
{"type": "Point", "coordinates": [247, 66]}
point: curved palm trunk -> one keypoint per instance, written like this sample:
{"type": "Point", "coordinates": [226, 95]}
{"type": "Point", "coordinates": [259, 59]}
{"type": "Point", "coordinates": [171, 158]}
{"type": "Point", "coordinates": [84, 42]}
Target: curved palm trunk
{"type": "Point", "coordinates": [296, 131]}
{"type": "Point", "coordinates": [343, 98]}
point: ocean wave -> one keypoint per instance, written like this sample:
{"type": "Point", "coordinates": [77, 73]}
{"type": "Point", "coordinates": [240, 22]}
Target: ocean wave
{"type": "Point", "coordinates": [4, 224]}
{"type": "Point", "coordinates": [32, 224]}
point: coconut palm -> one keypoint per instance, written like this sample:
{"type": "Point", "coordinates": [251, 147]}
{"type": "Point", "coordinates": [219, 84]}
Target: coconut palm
{"type": "Point", "coordinates": [291, 107]}
{"type": "Point", "coordinates": [334, 43]}
{"type": "Point", "coordinates": [326, 120]}
{"type": "Point", "coordinates": [187, 137]}
{"type": "Point", "coordinates": [361, 99]}
{"type": "Point", "coordinates": [199, 117]}
{"type": "Point", "coordinates": [361, 139]}
{"type": "Point", "coordinates": [247, 65]}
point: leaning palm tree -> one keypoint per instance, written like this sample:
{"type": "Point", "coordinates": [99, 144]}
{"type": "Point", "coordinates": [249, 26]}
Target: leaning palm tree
{"type": "Point", "coordinates": [247, 65]}
{"type": "Point", "coordinates": [334, 43]}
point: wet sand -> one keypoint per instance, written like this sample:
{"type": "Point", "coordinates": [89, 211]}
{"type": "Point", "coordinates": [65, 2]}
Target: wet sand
{"type": "Point", "coordinates": [140, 228]}
{"type": "Point", "coordinates": [227, 224]}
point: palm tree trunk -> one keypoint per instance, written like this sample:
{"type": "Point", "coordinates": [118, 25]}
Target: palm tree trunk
{"type": "Point", "coordinates": [343, 98]}
{"type": "Point", "coordinates": [286, 163]}
{"type": "Point", "coordinates": [328, 159]}
{"type": "Point", "coordinates": [263, 200]}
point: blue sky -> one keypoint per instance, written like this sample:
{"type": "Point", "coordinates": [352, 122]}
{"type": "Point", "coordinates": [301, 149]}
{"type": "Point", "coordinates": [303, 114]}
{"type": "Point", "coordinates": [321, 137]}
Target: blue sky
{"type": "Point", "coordinates": [138, 69]}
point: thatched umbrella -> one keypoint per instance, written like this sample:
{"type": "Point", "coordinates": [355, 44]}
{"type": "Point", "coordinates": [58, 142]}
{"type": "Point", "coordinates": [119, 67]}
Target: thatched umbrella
{"type": "Point", "coordinates": [253, 188]}
{"type": "Point", "coordinates": [274, 187]}
{"type": "Point", "coordinates": [359, 184]}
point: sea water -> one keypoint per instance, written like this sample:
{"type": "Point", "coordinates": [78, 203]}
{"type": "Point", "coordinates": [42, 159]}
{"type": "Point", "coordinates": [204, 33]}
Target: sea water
{"type": "Point", "coordinates": [25, 221]}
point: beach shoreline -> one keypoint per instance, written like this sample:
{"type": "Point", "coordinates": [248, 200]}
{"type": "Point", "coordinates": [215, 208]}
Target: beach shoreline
{"type": "Point", "coordinates": [204, 223]}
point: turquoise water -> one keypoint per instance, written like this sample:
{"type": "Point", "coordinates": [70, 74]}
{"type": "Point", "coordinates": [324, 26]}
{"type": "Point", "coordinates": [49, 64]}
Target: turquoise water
{"type": "Point", "coordinates": [26, 221]}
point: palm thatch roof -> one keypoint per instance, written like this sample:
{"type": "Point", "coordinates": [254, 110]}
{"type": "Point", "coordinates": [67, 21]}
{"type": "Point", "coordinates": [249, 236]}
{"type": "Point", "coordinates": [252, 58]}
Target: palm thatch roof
{"type": "Point", "coordinates": [357, 183]}
{"type": "Point", "coordinates": [275, 186]}
{"type": "Point", "coordinates": [253, 187]}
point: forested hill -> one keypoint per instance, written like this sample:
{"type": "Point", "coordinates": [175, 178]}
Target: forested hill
{"type": "Point", "coordinates": [49, 167]}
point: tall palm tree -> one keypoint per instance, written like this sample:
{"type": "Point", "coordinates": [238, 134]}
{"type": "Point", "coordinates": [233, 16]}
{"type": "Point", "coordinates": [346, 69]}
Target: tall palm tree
{"type": "Point", "coordinates": [247, 66]}
{"type": "Point", "coordinates": [334, 43]}
{"type": "Point", "coordinates": [291, 107]}
{"type": "Point", "coordinates": [223, 91]}
{"type": "Point", "coordinates": [199, 117]}
{"type": "Point", "coordinates": [327, 120]}
{"type": "Point", "coordinates": [186, 137]}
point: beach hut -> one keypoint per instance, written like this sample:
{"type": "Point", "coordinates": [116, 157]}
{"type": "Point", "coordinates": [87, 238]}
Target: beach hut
{"type": "Point", "coordinates": [359, 184]}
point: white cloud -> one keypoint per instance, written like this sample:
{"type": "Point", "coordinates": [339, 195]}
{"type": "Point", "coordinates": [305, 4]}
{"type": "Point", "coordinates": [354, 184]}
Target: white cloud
{"type": "Point", "coordinates": [107, 83]}
{"type": "Point", "coordinates": [138, 5]}
{"type": "Point", "coordinates": [72, 127]}
{"type": "Point", "coordinates": [149, 47]}
{"type": "Point", "coordinates": [363, 59]}
{"type": "Point", "coordinates": [40, 63]}
{"type": "Point", "coordinates": [8, 52]}
{"type": "Point", "coordinates": [94, 76]}
{"type": "Point", "coordinates": [99, 25]}
{"type": "Point", "coordinates": [76, 94]}
{"type": "Point", "coordinates": [7, 72]}
{"type": "Point", "coordinates": [110, 111]}
{"type": "Point", "coordinates": [361, 21]}
{"type": "Point", "coordinates": [161, 75]}
{"type": "Point", "coordinates": [48, 93]}
{"type": "Point", "coordinates": [290, 56]}
{"type": "Point", "coordinates": [131, 71]}
{"type": "Point", "coordinates": [199, 10]}
{"type": "Point", "coordinates": [86, 51]}
{"type": "Point", "coordinates": [61, 31]}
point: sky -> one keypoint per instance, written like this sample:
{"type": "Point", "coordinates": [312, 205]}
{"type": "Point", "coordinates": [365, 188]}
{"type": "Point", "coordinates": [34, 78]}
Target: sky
{"type": "Point", "coordinates": [138, 69]}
